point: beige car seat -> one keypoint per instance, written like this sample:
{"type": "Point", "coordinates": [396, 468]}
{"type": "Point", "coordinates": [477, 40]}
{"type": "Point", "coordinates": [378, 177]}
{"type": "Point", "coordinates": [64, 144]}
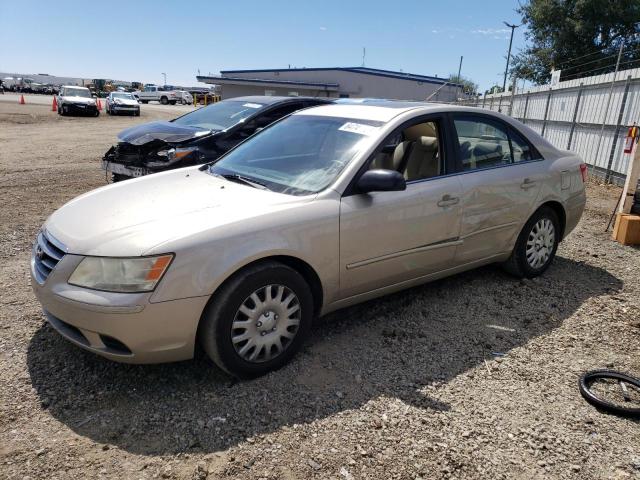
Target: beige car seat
{"type": "Point", "coordinates": [423, 161]}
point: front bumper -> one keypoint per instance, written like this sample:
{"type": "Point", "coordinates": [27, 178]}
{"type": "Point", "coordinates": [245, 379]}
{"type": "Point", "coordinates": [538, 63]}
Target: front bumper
{"type": "Point", "coordinates": [115, 108]}
{"type": "Point", "coordinates": [87, 109]}
{"type": "Point", "coordinates": [120, 169]}
{"type": "Point", "coordinates": [122, 327]}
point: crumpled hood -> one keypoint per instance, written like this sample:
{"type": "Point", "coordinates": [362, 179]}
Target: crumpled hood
{"type": "Point", "coordinates": [165, 131]}
{"type": "Point", "coordinates": [130, 218]}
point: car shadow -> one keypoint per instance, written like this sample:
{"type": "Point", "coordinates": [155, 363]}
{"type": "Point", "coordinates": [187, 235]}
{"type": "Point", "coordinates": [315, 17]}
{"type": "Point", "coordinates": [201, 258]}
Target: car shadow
{"type": "Point", "coordinates": [393, 346]}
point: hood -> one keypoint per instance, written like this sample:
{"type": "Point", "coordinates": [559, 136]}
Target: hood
{"type": "Point", "coordinates": [74, 99]}
{"type": "Point", "coordinates": [125, 101]}
{"type": "Point", "coordinates": [130, 218]}
{"type": "Point", "coordinates": [165, 131]}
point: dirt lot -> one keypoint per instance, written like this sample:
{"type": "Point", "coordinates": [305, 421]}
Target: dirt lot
{"type": "Point", "coordinates": [470, 377]}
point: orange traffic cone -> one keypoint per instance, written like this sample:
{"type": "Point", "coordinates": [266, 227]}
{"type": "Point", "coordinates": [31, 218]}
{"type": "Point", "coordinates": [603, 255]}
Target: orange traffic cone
{"type": "Point", "coordinates": [22, 102]}
{"type": "Point", "coordinates": [54, 105]}
{"type": "Point", "coordinates": [99, 105]}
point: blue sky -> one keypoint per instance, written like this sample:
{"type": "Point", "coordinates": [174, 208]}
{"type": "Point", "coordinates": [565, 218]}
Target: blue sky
{"type": "Point", "coordinates": [137, 41]}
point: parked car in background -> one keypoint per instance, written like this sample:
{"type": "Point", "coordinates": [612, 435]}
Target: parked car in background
{"type": "Point", "coordinates": [122, 102]}
{"type": "Point", "coordinates": [326, 208]}
{"type": "Point", "coordinates": [72, 99]}
{"type": "Point", "coordinates": [197, 137]}
{"type": "Point", "coordinates": [185, 97]}
{"type": "Point", "coordinates": [155, 93]}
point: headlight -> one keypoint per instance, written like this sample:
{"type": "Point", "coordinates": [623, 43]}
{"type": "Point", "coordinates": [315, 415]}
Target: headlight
{"type": "Point", "coordinates": [126, 275]}
{"type": "Point", "coordinates": [172, 155]}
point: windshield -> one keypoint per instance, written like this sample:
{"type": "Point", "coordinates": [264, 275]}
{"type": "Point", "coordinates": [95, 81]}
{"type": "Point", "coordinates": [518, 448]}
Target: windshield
{"type": "Point", "coordinates": [221, 115]}
{"type": "Point", "coordinates": [77, 92]}
{"type": "Point", "coordinates": [300, 155]}
{"type": "Point", "coordinates": [126, 96]}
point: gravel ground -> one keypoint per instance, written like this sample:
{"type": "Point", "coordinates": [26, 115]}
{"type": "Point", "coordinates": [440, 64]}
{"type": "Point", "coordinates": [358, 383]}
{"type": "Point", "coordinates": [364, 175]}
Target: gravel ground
{"type": "Point", "coordinates": [474, 376]}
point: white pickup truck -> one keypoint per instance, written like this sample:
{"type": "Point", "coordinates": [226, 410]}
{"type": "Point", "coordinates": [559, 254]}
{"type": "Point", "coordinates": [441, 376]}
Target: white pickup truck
{"type": "Point", "coordinates": [151, 93]}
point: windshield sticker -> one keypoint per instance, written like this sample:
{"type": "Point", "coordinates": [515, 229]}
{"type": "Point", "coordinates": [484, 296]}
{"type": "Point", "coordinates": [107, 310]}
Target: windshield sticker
{"type": "Point", "coordinates": [359, 128]}
{"type": "Point", "coordinates": [252, 105]}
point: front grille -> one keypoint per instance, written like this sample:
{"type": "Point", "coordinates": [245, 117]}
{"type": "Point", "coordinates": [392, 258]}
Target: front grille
{"type": "Point", "coordinates": [47, 252]}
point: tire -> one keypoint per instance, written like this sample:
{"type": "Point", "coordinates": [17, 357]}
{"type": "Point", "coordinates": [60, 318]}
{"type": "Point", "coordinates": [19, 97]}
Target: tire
{"type": "Point", "coordinates": [118, 177]}
{"type": "Point", "coordinates": [164, 100]}
{"type": "Point", "coordinates": [136, 113]}
{"type": "Point", "coordinates": [224, 310]}
{"type": "Point", "coordinates": [585, 390]}
{"type": "Point", "coordinates": [62, 110]}
{"type": "Point", "coordinates": [145, 101]}
{"type": "Point", "coordinates": [97, 114]}
{"type": "Point", "coordinates": [522, 265]}
{"type": "Point", "coordinates": [172, 102]}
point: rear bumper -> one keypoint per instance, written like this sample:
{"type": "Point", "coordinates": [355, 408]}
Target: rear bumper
{"type": "Point", "coordinates": [122, 327]}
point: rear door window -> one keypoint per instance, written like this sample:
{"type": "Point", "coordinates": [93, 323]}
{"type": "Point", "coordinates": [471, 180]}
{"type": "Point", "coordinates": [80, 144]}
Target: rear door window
{"type": "Point", "coordinates": [482, 143]}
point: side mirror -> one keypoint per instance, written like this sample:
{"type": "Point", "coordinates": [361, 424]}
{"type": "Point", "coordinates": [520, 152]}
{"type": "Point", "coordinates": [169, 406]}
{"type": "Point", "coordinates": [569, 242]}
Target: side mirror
{"type": "Point", "coordinates": [381, 181]}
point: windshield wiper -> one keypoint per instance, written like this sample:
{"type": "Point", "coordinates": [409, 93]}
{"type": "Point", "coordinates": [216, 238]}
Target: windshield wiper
{"type": "Point", "coordinates": [234, 177]}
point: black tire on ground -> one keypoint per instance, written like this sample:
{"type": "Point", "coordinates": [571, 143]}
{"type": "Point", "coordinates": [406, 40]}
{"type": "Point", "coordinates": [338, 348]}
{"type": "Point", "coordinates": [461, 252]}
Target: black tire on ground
{"type": "Point", "coordinates": [164, 100]}
{"type": "Point", "coordinates": [118, 177]}
{"type": "Point", "coordinates": [145, 101]}
{"type": "Point", "coordinates": [590, 377]}
{"type": "Point", "coordinates": [97, 114]}
{"type": "Point", "coordinates": [214, 333]}
{"type": "Point", "coordinates": [62, 110]}
{"type": "Point", "coordinates": [137, 113]}
{"type": "Point", "coordinates": [172, 102]}
{"type": "Point", "coordinates": [517, 264]}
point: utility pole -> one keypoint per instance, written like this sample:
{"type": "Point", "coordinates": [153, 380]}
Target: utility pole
{"type": "Point", "coordinates": [165, 78]}
{"type": "Point", "coordinates": [606, 110]}
{"type": "Point", "coordinates": [458, 80]}
{"type": "Point", "coordinates": [506, 69]}
{"type": "Point", "coordinates": [364, 54]}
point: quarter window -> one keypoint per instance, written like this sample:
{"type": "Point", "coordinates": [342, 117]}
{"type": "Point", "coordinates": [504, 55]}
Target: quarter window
{"type": "Point", "coordinates": [521, 149]}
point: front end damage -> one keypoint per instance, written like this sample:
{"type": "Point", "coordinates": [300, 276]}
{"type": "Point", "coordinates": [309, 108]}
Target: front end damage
{"type": "Point", "coordinates": [140, 152]}
{"type": "Point", "coordinates": [138, 160]}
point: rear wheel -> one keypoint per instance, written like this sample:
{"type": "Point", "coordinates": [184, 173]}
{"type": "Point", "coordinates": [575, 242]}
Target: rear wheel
{"type": "Point", "coordinates": [172, 102]}
{"type": "Point", "coordinates": [258, 320]}
{"type": "Point", "coordinates": [536, 245]}
{"type": "Point", "coordinates": [164, 100]}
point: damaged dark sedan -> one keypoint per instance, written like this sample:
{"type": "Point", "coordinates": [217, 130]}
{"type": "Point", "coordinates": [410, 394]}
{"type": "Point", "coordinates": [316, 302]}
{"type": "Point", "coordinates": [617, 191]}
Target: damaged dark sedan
{"type": "Point", "coordinates": [197, 137]}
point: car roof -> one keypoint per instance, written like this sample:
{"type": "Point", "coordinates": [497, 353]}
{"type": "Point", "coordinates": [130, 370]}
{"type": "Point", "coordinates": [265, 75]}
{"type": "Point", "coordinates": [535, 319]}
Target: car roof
{"type": "Point", "coordinates": [376, 110]}
{"type": "Point", "coordinates": [272, 100]}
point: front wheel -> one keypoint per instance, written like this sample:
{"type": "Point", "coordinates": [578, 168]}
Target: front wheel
{"type": "Point", "coordinates": [536, 245]}
{"type": "Point", "coordinates": [258, 320]}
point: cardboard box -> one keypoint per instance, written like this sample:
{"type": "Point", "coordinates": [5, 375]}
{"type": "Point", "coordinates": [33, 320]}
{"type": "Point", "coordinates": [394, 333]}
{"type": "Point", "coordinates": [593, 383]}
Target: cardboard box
{"type": "Point", "coordinates": [627, 229]}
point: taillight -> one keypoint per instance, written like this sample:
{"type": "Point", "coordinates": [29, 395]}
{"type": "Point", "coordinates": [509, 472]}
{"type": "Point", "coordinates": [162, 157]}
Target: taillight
{"type": "Point", "coordinates": [583, 172]}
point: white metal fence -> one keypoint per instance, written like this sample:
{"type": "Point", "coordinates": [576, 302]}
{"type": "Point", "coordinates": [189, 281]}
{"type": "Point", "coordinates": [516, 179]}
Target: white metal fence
{"type": "Point", "coordinates": [571, 115]}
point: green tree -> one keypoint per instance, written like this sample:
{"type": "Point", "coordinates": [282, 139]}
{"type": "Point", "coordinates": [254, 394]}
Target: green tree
{"type": "Point", "coordinates": [579, 37]}
{"type": "Point", "coordinates": [468, 86]}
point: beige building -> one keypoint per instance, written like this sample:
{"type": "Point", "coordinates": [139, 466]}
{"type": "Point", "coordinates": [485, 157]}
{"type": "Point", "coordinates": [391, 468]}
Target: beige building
{"type": "Point", "coordinates": [342, 82]}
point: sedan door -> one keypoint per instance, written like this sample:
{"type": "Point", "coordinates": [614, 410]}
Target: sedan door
{"type": "Point", "coordinates": [387, 238]}
{"type": "Point", "coordinates": [501, 177]}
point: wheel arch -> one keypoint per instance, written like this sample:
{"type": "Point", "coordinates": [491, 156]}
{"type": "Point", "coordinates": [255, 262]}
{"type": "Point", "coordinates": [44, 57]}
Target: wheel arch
{"type": "Point", "coordinates": [559, 211]}
{"type": "Point", "coordinates": [302, 267]}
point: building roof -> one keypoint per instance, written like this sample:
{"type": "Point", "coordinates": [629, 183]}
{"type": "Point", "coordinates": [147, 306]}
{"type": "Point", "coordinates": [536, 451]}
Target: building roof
{"type": "Point", "coordinates": [363, 70]}
{"type": "Point", "coordinates": [221, 80]}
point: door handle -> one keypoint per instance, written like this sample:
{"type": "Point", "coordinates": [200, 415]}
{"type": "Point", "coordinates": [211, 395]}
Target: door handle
{"type": "Point", "coordinates": [447, 200]}
{"type": "Point", "coordinates": [527, 183]}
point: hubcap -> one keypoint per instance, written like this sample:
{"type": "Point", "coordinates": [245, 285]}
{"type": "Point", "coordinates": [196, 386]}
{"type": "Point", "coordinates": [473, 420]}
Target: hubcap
{"type": "Point", "coordinates": [540, 243]}
{"type": "Point", "coordinates": [266, 323]}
